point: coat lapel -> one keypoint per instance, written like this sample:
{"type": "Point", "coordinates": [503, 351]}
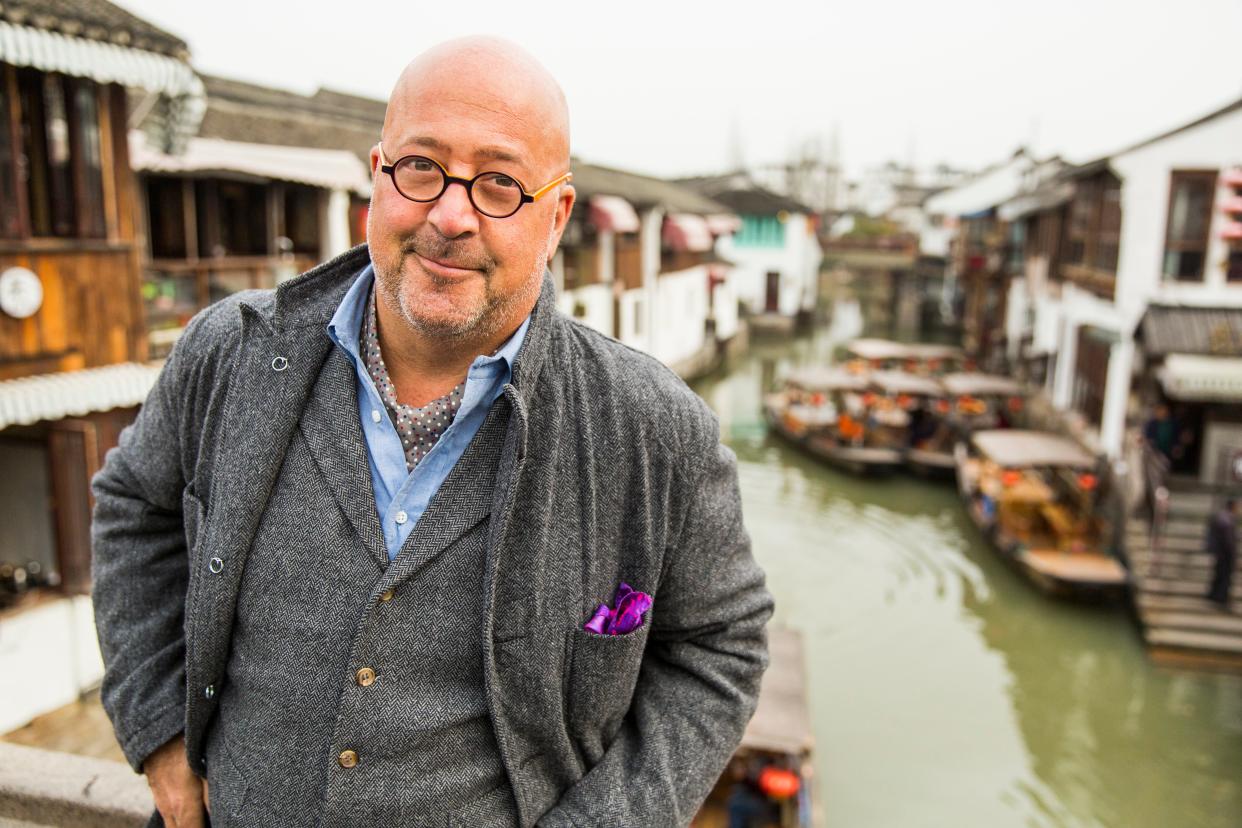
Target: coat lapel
{"type": "Point", "coordinates": [332, 429]}
{"type": "Point", "coordinates": [462, 501]}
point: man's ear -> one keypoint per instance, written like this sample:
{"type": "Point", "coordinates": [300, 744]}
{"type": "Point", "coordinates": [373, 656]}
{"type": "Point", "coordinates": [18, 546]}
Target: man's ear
{"type": "Point", "coordinates": [375, 159]}
{"type": "Point", "coordinates": [564, 207]}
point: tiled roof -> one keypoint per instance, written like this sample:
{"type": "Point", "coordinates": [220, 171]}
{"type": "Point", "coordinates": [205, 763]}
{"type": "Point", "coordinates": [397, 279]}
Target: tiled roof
{"type": "Point", "coordinates": [93, 20]}
{"type": "Point", "coordinates": [253, 114]}
{"type": "Point", "coordinates": [1171, 329]}
{"type": "Point", "coordinates": [74, 393]}
{"type": "Point", "coordinates": [642, 190]}
{"type": "Point", "coordinates": [744, 196]}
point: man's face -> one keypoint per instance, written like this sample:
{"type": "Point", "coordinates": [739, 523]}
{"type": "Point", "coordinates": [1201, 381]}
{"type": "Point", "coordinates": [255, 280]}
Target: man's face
{"type": "Point", "coordinates": [448, 270]}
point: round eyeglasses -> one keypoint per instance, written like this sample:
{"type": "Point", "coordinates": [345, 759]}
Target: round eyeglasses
{"type": "Point", "coordinates": [493, 194]}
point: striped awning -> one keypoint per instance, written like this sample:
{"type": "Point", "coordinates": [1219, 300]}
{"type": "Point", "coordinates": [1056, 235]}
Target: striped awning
{"type": "Point", "coordinates": [1195, 378]}
{"type": "Point", "coordinates": [74, 393]}
{"type": "Point", "coordinates": [183, 100]}
{"type": "Point", "coordinates": [327, 168]}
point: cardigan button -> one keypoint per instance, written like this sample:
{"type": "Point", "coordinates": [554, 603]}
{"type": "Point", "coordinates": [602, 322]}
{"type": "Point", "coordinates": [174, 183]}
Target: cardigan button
{"type": "Point", "coordinates": [347, 759]}
{"type": "Point", "coordinates": [216, 565]}
{"type": "Point", "coordinates": [209, 691]}
{"type": "Point", "coordinates": [365, 677]}
{"type": "Point", "coordinates": [280, 363]}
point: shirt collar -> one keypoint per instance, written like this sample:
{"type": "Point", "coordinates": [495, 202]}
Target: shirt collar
{"type": "Point", "coordinates": [346, 326]}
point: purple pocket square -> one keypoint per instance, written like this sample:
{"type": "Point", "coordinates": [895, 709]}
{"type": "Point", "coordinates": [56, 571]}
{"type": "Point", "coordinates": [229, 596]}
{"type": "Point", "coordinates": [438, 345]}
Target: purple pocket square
{"type": "Point", "coordinates": [625, 615]}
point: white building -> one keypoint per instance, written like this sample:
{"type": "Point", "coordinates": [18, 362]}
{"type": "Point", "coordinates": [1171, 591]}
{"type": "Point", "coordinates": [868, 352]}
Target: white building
{"type": "Point", "coordinates": [1151, 295]}
{"type": "Point", "coordinates": [639, 262]}
{"type": "Point", "coordinates": [775, 251]}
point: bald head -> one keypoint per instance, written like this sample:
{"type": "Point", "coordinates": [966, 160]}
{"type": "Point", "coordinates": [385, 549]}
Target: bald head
{"type": "Point", "coordinates": [495, 77]}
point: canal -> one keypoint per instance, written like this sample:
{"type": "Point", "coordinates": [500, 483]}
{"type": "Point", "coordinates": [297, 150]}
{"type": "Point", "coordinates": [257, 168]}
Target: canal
{"type": "Point", "coordinates": [944, 691]}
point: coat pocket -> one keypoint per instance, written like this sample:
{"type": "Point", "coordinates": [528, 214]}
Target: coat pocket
{"type": "Point", "coordinates": [602, 678]}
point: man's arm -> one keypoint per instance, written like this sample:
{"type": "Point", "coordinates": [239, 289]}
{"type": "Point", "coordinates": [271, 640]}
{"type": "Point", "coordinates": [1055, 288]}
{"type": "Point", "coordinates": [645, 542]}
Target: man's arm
{"type": "Point", "coordinates": [700, 676]}
{"type": "Point", "coordinates": [140, 573]}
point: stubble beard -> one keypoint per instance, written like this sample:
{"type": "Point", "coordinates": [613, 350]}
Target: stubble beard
{"type": "Point", "coordinates": [481, 323]}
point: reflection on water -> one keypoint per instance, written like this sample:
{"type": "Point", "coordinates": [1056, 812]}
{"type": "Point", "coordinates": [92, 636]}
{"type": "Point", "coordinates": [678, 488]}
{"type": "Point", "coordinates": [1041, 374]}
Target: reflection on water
{"type": "Point", "coordinates": [944, 690]}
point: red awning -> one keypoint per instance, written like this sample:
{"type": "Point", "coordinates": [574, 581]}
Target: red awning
{"type": "Point", "coordinates": [686, 231]}
{"type": "Point", "coordinates": [613, 213]}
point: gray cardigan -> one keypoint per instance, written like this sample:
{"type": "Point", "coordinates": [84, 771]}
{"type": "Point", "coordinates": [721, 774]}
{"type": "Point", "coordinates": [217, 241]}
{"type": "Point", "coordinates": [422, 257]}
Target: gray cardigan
{"type": "Point", "coordinates": [611, 471]}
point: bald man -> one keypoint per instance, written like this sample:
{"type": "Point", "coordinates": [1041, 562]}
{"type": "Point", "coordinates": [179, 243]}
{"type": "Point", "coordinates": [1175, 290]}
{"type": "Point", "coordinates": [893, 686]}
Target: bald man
{"type": "Point", "coordinates": [398, 544]}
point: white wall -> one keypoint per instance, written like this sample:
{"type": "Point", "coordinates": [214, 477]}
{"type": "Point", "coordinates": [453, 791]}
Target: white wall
{"type": "Point", "coordinates": [797, 261]}
{"type": "Point", "coordinates": [596, 302]}
{"type": "Point", "coordinates": [724, 308]}
{"type": "Point", "coordinates": [1145, 174]}
{"type": "Point", "coordinates": [680, 315]}
{"type": "Point", "coordinates": [49, 655]}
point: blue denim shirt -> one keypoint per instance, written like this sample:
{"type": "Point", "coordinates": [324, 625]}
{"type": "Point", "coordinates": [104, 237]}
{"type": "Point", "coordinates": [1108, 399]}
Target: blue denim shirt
{"type": "Point", "coordinates": [401, 496]}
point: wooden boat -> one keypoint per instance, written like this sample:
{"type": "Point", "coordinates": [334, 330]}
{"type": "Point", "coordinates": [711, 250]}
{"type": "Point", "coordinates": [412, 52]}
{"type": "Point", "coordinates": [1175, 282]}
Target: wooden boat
{"type": "Point", "coordinates": [901, 413]}
{"type": "Point", "coordinates": [969, 402]}
{"type": "Point", "coordinates": [912, 357]}
{"type": "Point", "coordinates": [821, 411]}
{"type": "Point", "coordinates": [778, 741]}
{"type": "Point", "coordinates": [1033, 495]}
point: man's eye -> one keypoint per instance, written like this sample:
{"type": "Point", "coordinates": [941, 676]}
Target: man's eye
{"type": "Point", "coordinates": [503, 181]}
{"type": "Point", "coordinates": [422, 165]}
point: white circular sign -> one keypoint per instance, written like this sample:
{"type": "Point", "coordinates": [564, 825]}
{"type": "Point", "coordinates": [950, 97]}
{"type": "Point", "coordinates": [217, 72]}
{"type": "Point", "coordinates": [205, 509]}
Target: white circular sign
{"type": "Point", "coordinates": [21, 292]}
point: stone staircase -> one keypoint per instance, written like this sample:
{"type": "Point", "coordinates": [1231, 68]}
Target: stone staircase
{"type": "Point", "coordinates": [1171, 573]}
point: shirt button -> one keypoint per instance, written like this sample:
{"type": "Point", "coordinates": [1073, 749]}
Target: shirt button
{"type": "Point", "coordinates": [386, 595]}
{"type": "Point", "coordinates": [375, 415]}
{"type": "Point", "coordinates": [347, 759]}
{"type": "Point", "coordinates": [365, 677]}
{"type": "Point", "coordinates": [401, 517]}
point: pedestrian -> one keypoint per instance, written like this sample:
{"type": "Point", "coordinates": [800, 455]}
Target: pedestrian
{"type": "Point", "coordinates": [1222, 545]}
{"type": "Point", "coordinates": [399, 544]}
{"type": "Point", "coordinates": [1161, 433]}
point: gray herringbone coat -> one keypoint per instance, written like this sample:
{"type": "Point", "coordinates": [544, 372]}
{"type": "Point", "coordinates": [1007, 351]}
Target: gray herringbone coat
{"type": "Point", "coordinates": [611, 471]}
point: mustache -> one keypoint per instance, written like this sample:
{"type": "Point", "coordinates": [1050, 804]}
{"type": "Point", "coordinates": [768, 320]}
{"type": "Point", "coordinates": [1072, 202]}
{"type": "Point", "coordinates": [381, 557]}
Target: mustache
{"type": "Point", "coordinates": [430, 244]}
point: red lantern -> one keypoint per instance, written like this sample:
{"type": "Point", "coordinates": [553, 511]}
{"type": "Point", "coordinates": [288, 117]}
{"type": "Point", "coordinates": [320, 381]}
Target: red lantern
{"type": "Point", "coordinates": [1087, 481]}
{"type": "Point", "coordinates": [942, 406]}
{"type": "Point", "coordinates": [1010, 477]}
{"type": "Point", "coordinates": [779, 783]}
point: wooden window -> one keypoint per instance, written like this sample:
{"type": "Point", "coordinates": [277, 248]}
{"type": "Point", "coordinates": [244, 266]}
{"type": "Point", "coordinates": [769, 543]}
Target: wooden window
{"type": "Point", "coordinates": [51, 156]}
{"type": "Point", "coordinates": [1233, 269]}
{"type": "Point", "coordinates": [1108, 237]}
{"type": "Point", "coordinates": [1079, 226]}
{"type": "Point", "coordinates": [1095, 348]}
{"type": "Point", "coordinates": [243, 218]}
{"type": "Point", "coordinates": [88, 161]}
{"type": "Point", "coordinates": [11, 220]}
{"type": "Point", "coordinates": [302, 218]}
{"type": "Point", "coordinates": [1189, 218]}
{"type": "Point", "coordinates": [167, 231]}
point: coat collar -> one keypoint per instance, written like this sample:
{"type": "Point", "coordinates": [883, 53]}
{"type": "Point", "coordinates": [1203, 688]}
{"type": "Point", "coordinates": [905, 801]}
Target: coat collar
{"type": "Point", "coordinates": [313, 297]}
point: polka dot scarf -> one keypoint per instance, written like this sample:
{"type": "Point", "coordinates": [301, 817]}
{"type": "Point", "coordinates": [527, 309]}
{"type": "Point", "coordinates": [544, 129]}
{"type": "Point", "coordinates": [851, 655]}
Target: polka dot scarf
{"type": "Point", "coordinates": [419, 428]}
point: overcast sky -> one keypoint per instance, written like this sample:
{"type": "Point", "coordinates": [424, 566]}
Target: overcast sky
{"type": "Point", "coordinates": [672, 88]}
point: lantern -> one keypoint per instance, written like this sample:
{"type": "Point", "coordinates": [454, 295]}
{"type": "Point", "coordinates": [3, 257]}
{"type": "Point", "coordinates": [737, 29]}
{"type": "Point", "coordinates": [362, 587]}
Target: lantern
{"type": "Point", "coordinates": [778, 783]}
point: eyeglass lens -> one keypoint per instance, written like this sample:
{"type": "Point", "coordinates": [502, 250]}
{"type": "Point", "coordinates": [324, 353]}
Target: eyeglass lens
{"type": "Point", "coordinates": [493, 194]}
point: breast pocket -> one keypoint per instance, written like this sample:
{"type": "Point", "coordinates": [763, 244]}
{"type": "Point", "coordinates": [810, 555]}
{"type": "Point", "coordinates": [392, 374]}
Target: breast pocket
{"type": "Point", "coordinates": [602, 676]}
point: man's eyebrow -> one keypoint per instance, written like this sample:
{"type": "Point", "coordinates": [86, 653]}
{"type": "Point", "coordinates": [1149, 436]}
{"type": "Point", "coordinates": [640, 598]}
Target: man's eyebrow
{"type": "Point", "coordinates": [488, 152]}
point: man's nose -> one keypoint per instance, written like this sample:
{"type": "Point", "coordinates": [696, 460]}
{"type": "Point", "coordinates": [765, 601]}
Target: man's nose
{"type": "Point", "coordinates": [453, 214]}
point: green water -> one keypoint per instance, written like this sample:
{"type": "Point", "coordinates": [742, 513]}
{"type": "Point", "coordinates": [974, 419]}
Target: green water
{"type": "Point", "coordinates": [944, 691]}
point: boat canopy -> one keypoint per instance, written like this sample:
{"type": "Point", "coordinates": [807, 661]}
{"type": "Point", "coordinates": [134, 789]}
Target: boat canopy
{"type": "Point", "coordinates": [882, 349]}
{"type": "Point", "coordinates": [1014, 448]}
{"type": "Point", "coordinates": [821, 378]}
{"type": "Point", "coordinates": [782, 721]}
{"type": "Point", "coordinates": [899, 382]}
{"type": "Point", "coordinates": [982, 385]}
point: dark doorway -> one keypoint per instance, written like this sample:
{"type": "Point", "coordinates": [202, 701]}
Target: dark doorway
{"type": "Point", "coordinates": [772, 301]}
